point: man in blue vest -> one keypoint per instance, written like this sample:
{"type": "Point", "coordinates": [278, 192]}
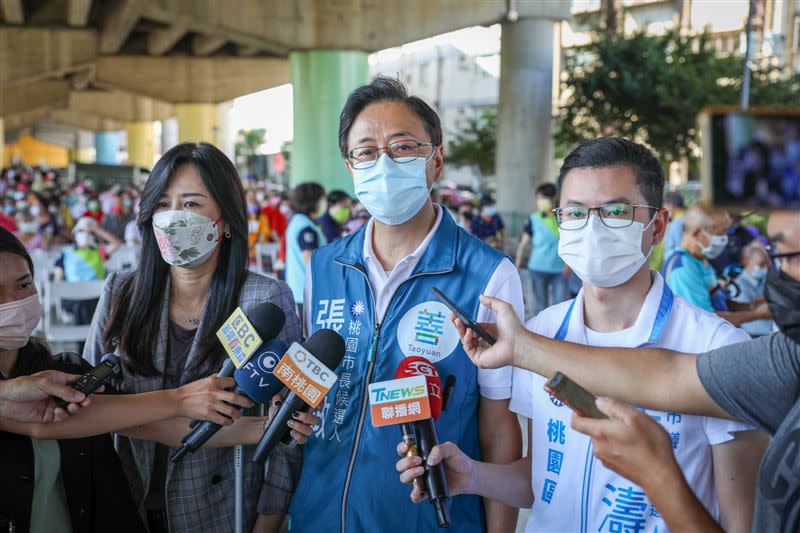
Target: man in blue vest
{"type": "Point", "coordinates": [374, 287]}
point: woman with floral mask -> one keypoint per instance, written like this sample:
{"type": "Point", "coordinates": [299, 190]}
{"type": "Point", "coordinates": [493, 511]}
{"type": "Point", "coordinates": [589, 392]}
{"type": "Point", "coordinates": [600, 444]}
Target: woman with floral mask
{"type": "Point", "coordinates": [162, 320]}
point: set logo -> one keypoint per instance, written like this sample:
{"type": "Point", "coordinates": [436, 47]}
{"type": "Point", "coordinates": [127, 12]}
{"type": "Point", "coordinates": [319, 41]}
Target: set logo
{"type": "Point", "coordinates": [425, 330]}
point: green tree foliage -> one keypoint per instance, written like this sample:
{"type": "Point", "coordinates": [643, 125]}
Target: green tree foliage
{"type": "Point", "coordinates": [651, 88]}
{"type": "Point", "coordinates": [248, 141]}
{"type": "Point", "coordinates": [475, 143]}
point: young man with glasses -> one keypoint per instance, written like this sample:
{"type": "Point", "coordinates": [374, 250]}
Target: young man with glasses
{"type": "Point", "coordinates": [610, 217]}
{"type": "Point", "coordinates": [374, 287]}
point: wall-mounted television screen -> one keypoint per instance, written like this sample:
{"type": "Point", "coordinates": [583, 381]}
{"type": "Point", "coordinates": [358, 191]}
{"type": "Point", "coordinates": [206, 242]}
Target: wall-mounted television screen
{"type": "Point", "coordinates": [751, 159]}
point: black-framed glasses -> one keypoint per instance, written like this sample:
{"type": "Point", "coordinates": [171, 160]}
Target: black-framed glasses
{"type": "Point", "coordinates": [776, 256]}
{"type": "Point", "coordinates": [614, 215]}
{"type": "Point", "coordinates": [403, 151]}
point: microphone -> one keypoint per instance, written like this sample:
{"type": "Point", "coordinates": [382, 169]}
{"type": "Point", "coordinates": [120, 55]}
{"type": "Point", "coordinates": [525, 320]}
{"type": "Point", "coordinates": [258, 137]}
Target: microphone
{"type": "Point", "coordinates": [254, 380]}
{"type": "Point", "coordinates": [266, 321]}
{"type": "Point", "coordinates": [313, 363]}
{"type": "Point", "coordinates": [435, 479]}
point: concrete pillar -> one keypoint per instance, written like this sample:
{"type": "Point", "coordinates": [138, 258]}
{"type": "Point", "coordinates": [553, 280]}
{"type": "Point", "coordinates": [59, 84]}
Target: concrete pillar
{"type": "Point", "coordinates": [197, 122]}
{"type": "Point", "coordinates": [321, 82]}
{"type": "Point", "coordinates": [169, 134]}
{"type": "Point", "coordinates": [141, 144]}
{"type": "Point", "coordinates": [106, 147]}
{"type": "Point", "coordinates": [84, 151]}
{"type": "Point", "coordinates": [226, 137]}
{"type": "Point", "coordinates": [524, 142]}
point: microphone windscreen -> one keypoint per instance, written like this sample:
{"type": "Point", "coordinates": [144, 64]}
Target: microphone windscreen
{"type": "Point", "coordinates": [419, 366]}
{"type": "Point", "coordinates": [268, 320]}
{"type": "Point", "coordinates": [327, 346]}
{"type": "Point", "coordinates": [255, 377]}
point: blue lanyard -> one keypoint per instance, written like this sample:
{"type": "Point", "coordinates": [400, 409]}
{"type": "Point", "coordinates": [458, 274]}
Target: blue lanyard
{"type": "Point", "coordinates": [662, 317]}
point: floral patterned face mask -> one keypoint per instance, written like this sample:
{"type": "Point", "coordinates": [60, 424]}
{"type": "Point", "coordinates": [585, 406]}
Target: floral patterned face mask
{"type": "Point", "coordinates": [185, 239]}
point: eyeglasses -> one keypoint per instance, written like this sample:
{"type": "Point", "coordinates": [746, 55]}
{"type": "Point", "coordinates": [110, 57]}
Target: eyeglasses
{"type": "Point", "coordinates": [403, 151]}
{"type": "Point", "coordinates": [616, 215]}
{"type": "Point", "coordinates": [776, 256]}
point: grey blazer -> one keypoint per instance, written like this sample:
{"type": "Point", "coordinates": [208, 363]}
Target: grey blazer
{"type": "Point", "coordinates": [200, 489]}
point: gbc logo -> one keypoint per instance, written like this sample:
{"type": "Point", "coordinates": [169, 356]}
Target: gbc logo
{"type": "Point", "coordinates": [243, 332]}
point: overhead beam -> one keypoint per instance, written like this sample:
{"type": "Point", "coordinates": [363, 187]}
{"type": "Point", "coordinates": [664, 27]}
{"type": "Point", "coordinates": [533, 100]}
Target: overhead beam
{"type": "Point", "coordinates": [20, 98]}
{"type": "Point", "coordinates": [12, 11]}
{"type": "Point", "coordinates": [25, 119]}
{"type": "Point", "coordinates": [119, 25]}
{"type": "Point", "coordinates": [120, 106]}
{"type": "Point", "coordinates": [246, 51]}
{"type": "Point", "coordinates": [204, 45]}
{"type": "Point", "coordinates": [185, 14]}
{"type": "Point", "coordinates": [78, 12]}
{"type": "Point", "coordinates": [180, 79]}
{"type": "Point", "coordinates": [77, 119]}
{"type": "Point", "coordinates": [159, 42]}
{"type": "Point", "coordinates": [30, 54]}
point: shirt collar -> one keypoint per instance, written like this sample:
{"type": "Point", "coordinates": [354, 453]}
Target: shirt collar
{"type": "Point", "coordinates": [369, 254]}
{"type": "Point", "coordinates": [642, 328]}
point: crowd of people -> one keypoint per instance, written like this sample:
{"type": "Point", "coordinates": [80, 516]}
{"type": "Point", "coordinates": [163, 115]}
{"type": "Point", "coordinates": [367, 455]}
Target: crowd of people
{"type": "Point", "coordinates": [635, 296]}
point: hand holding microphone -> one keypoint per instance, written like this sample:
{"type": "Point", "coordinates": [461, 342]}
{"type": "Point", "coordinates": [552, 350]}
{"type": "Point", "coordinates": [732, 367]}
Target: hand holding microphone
{"type": "Point", "coordinates": [309, 369]}
{"type": "Point", "coordinates": [244, 338]}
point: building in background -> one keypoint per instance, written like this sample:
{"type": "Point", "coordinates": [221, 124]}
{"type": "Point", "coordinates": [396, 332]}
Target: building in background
{"type": "Point", "coordinates": [457, 83]}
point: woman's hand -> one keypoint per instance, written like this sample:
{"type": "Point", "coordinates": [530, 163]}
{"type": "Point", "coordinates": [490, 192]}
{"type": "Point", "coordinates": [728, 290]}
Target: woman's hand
{"type": "Point", "coordinates": [30, 398]}
{"type": "Point", "coordinates": [302, 422]}
{"type": "Point", "coordinates": [207, 399]}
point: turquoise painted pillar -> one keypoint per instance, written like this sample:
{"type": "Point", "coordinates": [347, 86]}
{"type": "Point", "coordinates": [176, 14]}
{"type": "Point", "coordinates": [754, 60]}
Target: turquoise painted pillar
{"type": "Point", "coordinates": [106, 145]}
{"type": "Point", "coordinates": [321, 82]}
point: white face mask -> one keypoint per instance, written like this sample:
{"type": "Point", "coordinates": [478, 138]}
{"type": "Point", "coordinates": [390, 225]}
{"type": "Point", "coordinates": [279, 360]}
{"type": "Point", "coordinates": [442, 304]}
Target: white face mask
{"type": "Point", "coordinates": [18, 319]}
{"type": "Point", "coordinates": [716, 245]}
{"type": "Point", "coordinates": [184, 238]}
{"type": "Point", "coordinates": [84, 239]}
{"type": "Point", "coordinates": [603, 256]}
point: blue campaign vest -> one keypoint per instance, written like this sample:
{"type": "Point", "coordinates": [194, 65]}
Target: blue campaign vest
{"type": "Point", "coordinates": [544, 252]}
{"type": "Point", "coordinates": [349, 482]}
{"type": "Point", "coordinates": [295, 267]}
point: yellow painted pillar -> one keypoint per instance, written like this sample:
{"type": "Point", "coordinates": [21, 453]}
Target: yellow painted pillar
{"type": "Point", "coordinates": [141, 144]}
{"type": "Point", "coordinates": [197, 122]}
{"type": "Point", "coordinates": [2, 144]}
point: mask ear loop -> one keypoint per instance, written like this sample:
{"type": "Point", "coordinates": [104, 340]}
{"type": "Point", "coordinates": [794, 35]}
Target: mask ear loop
{"type": "Point", "coordinates": [227, 234]}
{"type": "Point", "coordinates": [652, 246]}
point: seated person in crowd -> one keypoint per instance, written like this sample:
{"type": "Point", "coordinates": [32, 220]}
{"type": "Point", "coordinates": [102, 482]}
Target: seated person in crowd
{"type": "Point", "coordinates": [688, 272]}
{"type": "Point", "coordinates": [750, 284]}
{"type": "Point", "coordinates": [28, 232]}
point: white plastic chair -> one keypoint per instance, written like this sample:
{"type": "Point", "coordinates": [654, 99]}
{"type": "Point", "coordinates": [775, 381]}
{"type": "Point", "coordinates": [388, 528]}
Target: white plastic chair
{"type": "Point", "coordinates": [55, 331]}
{"type": "Point", "coordinates": [125, 258]}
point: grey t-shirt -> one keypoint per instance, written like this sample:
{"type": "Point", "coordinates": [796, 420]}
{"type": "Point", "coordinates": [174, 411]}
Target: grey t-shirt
{"type": "Point", "coordinates": [759, 382]}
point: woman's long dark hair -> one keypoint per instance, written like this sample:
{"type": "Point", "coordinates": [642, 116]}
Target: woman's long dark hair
{"type": "Point", "coordinates": [135, 314]}
{"type": "Point", "coordinates": [33, 356]}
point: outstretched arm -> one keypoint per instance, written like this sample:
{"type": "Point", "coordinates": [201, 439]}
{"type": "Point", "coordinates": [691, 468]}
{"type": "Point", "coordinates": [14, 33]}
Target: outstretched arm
{"type": "Point", "coordinates": [657, 378]}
